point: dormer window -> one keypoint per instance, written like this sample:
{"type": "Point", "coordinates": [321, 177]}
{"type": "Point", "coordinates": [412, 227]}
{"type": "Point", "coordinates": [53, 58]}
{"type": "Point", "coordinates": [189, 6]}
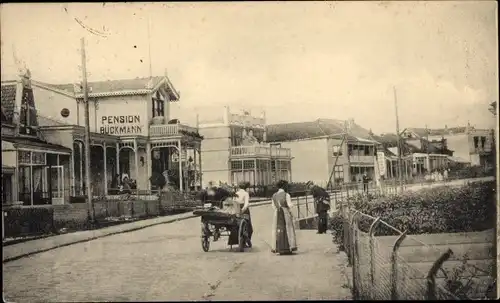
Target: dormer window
{"type": "Point", "coordinates": [158, 105]}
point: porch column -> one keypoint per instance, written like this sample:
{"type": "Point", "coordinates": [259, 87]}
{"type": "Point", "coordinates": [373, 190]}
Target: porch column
{"type": "Point", "coordinates": [118, 160]}
{"type": "Point", "coordinates": [180, 166]}
{"type": "Point", "coordinates": [136, 159]}
{"type": "Point", "coordinates": [199, 160]}
{"type": "Point", "coordinates": [149, 164]}
{"type": "Point", "coordinates": [80, 146]}
{"type": "Point", "coordinates": [105, 170]}
{"type": "Point", "coordinates": [195, 166]}
{"type": "Point", "coordinates": [72, 170]}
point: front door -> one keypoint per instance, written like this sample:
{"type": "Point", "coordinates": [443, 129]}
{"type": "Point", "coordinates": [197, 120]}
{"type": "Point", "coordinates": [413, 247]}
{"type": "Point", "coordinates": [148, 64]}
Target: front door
{"type": "Point", "coordinates": [55, 183]}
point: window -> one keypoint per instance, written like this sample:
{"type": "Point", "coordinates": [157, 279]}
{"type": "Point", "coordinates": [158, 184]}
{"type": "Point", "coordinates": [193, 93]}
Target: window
{"type": "Point", "coordinates": [158, 105]}
{"type": "Point", "coordinates": [483, 141]}
{"type": "Point", "coordinates": [338, 174]}
{"type": "Point", "coordinates": [236, 165]}
{"type": "Point", "coordinates": [248, 164]}
{"type": "Point", "coordinates": [337, 151]}
{"type": "Point", "coordinates": [476, 142]}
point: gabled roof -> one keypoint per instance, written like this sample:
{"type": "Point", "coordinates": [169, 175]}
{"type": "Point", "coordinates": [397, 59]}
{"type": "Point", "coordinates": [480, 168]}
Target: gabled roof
{"type": "Point", "coordinates": [137, 86]}
{"type": "Point", "coordinates": [315, 129]}
{"type": "Point", "coordinates": [8, 102]}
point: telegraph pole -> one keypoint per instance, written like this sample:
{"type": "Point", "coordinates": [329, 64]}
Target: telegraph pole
{"type": "Point", "coordinates": [427, 147]}
{"type": "Point", "coordinates": [87, 132]}
{"type": "Point", "coordinates": [400, 157]}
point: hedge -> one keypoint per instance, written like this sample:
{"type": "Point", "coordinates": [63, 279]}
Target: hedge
{"type": "Point", "coordinates": [444, 209]}
{"type": "Point", "coordinates": [28, 221]}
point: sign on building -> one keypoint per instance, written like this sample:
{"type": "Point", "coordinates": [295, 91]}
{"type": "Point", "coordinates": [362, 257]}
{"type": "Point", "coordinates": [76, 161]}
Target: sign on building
{"type": "Point", "coordinates": [382, 168]}
{"type": "Point", "coordinates": [121, 125]}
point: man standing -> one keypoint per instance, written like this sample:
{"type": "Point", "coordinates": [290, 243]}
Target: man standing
{"type": "Point", "coordinates": [366, 179]}
{"type": "Point", "coordinates": [244, 200]}
{"type": "Point", "coordinates": [322, 204]}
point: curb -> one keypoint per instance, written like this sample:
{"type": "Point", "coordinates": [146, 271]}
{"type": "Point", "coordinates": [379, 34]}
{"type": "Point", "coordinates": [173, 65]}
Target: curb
{"type": "Point", "coordinates": [136, 228]}
{"type": "Point", "coordinates": [95, 237]}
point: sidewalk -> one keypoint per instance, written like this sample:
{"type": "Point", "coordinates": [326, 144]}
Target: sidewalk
{"type": "Point", "coordinates": [24, 249]}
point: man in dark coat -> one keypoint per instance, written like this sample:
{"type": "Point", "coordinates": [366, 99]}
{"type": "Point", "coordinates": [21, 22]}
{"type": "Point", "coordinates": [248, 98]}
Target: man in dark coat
{"type": "Point", "coordinates": [322, 205]}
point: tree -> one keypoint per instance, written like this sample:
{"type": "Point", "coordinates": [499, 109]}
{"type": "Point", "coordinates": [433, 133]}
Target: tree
{"type": "Point", "coordinates": [493, 108]}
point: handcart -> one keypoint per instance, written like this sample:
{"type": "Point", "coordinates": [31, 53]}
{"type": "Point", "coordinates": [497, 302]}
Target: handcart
{"type": "Point", "coordinates": [215, 224]}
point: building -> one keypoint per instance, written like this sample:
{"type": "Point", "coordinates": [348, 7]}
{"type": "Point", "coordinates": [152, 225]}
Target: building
{"type": "Point", "coordinates": [419, 156]}
{"type": "Point", "coordinates": [475, 146]}
{"type": "Point", "coordinates": [235, 149]}
{"type": "Point", "coordinates": [132, 133]}
{"type": "Point", "coordinates": [318, 154]}
{"type": "Point", "coordinates": [34, 171]}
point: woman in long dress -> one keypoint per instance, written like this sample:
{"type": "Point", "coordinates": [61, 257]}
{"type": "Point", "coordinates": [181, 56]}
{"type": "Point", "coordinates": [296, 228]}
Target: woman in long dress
{"type": "Point", "coordinates": [283, 233]}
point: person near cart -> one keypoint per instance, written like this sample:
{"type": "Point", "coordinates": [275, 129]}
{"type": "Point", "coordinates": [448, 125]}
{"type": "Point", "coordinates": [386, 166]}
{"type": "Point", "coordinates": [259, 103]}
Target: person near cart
{"type": "Point", "coordinates": [243, 197]}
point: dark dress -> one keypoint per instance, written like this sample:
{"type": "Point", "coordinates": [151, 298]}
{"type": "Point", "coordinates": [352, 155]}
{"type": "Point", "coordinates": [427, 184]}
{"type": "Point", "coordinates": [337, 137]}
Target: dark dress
{"type": "Point", "coordinates": [283, 229]}
{"type": "Point", "coordinates": [322, 204]}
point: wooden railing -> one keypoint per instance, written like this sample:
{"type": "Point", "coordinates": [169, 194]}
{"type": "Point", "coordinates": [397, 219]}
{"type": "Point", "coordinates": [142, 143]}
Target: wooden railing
{"type": "Point", "coordinates": [165, 130]}
{"type": "Point", "coordinates": [241, 151]}
{"type": "Point", "coordinates": [362, 159]}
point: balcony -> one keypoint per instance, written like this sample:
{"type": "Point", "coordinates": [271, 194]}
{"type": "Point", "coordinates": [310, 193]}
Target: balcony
{"type": "Point", "coordinates": [260, 151]}
{"type": "Point", "coordinates": [362, 159]}
{"type": "Point", "coordinates": [170, 130]}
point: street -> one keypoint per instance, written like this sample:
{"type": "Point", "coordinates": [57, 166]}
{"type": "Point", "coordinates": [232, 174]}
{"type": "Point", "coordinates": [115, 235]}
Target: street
{"type": "Point", "coordinates": [166, 262]}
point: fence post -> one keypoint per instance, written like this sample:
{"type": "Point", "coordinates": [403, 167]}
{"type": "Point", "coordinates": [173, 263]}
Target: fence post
{"type": "Point", "coordinates": [394, 262]}
{"type": "Point", "coordinates": [431, 276]}
{"type": "Point", "coordinates": [372, 250]}
{"type": "Point", "coordinates": [307, 207]}
{"type": "Point", "coordinates": [355, 260]}
{"type": "Point", "coordinates": [298, 208]}
{"type": "Point", "coordinates": [352, 235]}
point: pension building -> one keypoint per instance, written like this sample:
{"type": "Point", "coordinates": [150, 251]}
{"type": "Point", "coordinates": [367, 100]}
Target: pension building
{"type": "Point", "coordinates": [132, 133]}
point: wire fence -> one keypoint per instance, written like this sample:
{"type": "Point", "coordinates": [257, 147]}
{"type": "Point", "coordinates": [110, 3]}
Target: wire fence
{"type": "Point", "coordinates": [388, 264]}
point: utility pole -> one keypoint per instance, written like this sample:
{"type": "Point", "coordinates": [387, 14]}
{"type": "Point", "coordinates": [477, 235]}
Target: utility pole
{"type": "Point", "coordinates": [344, 139]}
{"type": "Point", "coordinates": [87, 132]}
{"type": "Point", "coordinates": [400, 157]}
{"type": "Point", "coordinates": [427, 147]}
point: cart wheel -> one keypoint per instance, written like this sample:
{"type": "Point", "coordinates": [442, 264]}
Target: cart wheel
{"type": "Point", "coordinates": [205, 243]}
{"type": "Point", "coordinates": [242, 235]}
{"type": "Point", "coordinates": [205, 237]}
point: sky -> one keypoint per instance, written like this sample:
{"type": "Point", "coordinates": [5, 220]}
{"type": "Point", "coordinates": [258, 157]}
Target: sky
{"type": "Point", "coordinates": [299, 61]}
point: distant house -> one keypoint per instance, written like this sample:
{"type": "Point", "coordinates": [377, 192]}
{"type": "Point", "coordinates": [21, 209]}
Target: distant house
{"type": "Point", "coordinates": [423, 155]}
{"type": "Point", "coordinates": [235, 150]}
{"type": "Point", "coordinates": [317, 151]}
{"type": "Point", "coordinates": [475, 146]}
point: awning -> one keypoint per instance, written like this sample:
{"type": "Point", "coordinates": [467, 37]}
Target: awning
{"type": "Point", "coordinates": [457, 159]}
{"type": "Point", "coordinates": [34, 144]}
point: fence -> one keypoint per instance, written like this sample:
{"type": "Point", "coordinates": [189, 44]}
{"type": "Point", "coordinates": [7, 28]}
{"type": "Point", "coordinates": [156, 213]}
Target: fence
{"type": "Point", "coordinates": [304, 207]}
{"type": "Point", "coordinates": [416, 267]}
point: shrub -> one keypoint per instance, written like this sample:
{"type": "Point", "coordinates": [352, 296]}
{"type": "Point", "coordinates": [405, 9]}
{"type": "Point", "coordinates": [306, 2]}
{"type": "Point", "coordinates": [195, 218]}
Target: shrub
{"type": "Point", "coordinates": [157, 180]}
{"type": "Point", "coordinates": [442, 209]}
{"type": "Point", "coordinates": [28, 221]}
